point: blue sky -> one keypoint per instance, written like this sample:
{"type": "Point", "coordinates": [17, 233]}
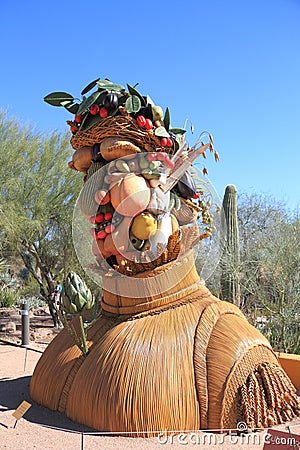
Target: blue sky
{"type": "Point", "coordinates": [231, 66]}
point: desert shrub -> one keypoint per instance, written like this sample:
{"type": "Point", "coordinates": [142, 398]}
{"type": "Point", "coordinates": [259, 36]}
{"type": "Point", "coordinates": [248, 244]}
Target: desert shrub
{"type": "Point", "coordinates": [7, 298]}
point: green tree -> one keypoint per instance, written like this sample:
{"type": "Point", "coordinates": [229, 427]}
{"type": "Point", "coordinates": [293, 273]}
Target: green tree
{"type": "Point", "coordinates": [270, 268]}
{"type": "Point", "coordinates": [38, 193]}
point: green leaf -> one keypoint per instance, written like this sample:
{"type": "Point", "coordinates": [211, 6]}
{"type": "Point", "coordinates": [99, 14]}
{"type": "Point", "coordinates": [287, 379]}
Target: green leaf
{"type": "Point", "coordinates": [106, 84]}
{"type": "Point", "coordinates": [133, 91]}
{"type": "Point", "coordinates": [133, 104]}
{"type": "Point", "coordinates": [87, 102]}
{"type": "Point", "coordinates": [122, 99]}
{"type": "Point", "coordinates": [161, 132]}
{"type": "Point", "coordinates": [178, 130]}
{"type": "Point", "coordinates": [72, 107]}
{"type": "Point", "coordinates": [89, 121]}
{"type": "Point", "coordinates": [89, 86]}
{"type": "Point", "coordinates": [56, 98]}
{"type": "Point", "coordinates": [167, 119]}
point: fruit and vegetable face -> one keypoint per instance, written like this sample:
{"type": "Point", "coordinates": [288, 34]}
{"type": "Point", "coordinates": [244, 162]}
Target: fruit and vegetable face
{"type": "Point", "coordinates": [128, 211]}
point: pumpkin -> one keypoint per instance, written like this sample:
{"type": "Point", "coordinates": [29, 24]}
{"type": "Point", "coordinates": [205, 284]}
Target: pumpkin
{"type": "Point", "coordinates": [82, 159]}
{"type": "Point", "coordinates": [116, 147]}
{"type": "Point", "coordinates": [130, 195]}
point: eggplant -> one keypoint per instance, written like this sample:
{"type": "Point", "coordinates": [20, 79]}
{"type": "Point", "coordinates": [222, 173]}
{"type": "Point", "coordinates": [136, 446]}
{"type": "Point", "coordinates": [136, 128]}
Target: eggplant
{"type": "Point", "coordinates": [186, 186]}
{"type": "Point", "coordinates": [111, 102]}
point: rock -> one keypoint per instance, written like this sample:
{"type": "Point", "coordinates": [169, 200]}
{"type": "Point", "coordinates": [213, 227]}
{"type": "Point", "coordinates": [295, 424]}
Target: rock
{"type": "Point", "coordinates": [11, 327]}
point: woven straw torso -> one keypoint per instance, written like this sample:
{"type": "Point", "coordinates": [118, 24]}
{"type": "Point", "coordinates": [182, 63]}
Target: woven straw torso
{"type": "Point", "coordinates": [176, 361]}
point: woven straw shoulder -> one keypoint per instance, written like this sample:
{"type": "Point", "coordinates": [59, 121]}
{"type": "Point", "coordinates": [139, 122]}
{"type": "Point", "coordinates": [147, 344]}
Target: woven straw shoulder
{"type": "Point", "coordinates": [230, 356]}
{"type": "Point", "coordinates": [189, 364]}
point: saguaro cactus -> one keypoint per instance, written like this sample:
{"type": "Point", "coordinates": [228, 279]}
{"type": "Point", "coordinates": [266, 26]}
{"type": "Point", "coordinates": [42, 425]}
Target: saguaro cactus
{"type": "Point", "coordinates": [230, 286]}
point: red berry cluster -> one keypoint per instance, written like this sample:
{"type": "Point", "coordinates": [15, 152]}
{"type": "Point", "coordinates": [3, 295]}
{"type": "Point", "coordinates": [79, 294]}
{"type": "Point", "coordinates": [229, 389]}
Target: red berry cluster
{"type": "Point", "coordinates": [143, 122]}
{"type": "Point", "coordinates": [104, 225]}
{"type": "Point", "coordinates": [166, 142]}
{"type": "Point", "coordinates": [96, 109]}
{"type": "Point", "coordinates": [161, 156]}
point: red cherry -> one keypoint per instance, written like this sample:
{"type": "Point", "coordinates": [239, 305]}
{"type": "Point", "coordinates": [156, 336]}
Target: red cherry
{"type": "Point", "coordinates": [151, 157]}
{"type": "Point", "coordinates": [148, 124]}
{"type": "Point", "coordinates": [164, 142]}
{"type": "Point", "coordinates": [108, 216]}
{"type": "Point", "coordinates": [161, 156]}
{"type": "Point", "coordinates": [78, 118]}
{"type": "Point", "coordinates": [103, 112]}
{"type": "Point", "coordinates": [73, 130]}
{"type": "Point", "coordinates": [169, 142]}
{"type": "Point", "coordinates": [99, 218]}
{"type": "Point", "coordinates": [101, 234]}
{"type": "Point", "coordinates": [94, 109]}
{"type": "Point", "coordinates": [141, 121]}
{"type": "Point", "coordinates": [110, 228]}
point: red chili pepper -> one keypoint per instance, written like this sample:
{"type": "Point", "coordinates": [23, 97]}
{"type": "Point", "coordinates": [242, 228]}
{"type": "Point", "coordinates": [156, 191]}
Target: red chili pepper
{"type": "Point", "coordinates": [148, 124]}
{"type": "Point", "coordinates": [141, 121]}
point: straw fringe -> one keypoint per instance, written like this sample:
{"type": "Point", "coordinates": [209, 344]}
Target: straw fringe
{"type": "Point", "coordinates": [258, 392]}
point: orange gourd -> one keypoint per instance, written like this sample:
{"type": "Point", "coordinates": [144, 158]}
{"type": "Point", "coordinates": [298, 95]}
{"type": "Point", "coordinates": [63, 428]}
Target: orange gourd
{"type": "Point", "coordinates": [130, 195]}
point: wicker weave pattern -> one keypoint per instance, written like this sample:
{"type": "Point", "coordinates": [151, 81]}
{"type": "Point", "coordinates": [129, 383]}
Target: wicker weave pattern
{"type": "Point", "coordinates": [123, 126]}
{"type": "Point", "coordinates": [207, 322]}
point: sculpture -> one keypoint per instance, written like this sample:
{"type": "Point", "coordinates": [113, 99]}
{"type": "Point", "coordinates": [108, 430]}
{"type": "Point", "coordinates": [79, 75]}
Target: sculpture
{"type": "Point", "coordinates": [164, 354]}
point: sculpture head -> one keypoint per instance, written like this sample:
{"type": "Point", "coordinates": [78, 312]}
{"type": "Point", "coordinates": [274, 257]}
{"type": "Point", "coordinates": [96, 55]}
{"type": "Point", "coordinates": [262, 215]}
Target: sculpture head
{"type": "Point", "coordinates": [140, 195]}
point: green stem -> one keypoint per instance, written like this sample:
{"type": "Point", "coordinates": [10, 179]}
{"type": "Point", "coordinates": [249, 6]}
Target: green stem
{"type": "Point", "coordinates": [83, 336]}
{"type": "Point", "coordinates": [70, 330]}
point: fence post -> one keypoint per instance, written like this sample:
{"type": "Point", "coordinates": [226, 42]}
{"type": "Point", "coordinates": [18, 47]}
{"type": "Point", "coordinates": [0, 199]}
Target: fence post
{"type": "Point", "coordinates": [25, 325]}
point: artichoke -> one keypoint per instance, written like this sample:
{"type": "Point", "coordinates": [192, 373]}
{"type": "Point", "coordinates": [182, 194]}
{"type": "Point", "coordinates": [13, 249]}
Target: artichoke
{"type": "Point", "coordinates": [76, 296]}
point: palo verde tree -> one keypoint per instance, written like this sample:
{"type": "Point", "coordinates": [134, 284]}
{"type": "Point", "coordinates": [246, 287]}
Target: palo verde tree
{"type": "Point", "coordinates": [38, 193]}
{"type": "Point", "coordinates": [270, 268]}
